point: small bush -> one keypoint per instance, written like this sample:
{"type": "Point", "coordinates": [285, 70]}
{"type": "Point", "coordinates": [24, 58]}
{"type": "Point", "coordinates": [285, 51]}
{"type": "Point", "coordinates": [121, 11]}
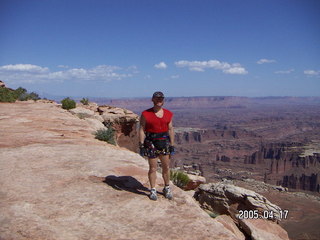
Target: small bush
{"type": "Point", "coordinates": [213, 214]}
{"type": "Point", "coordinates": [179, 178]}
{"type": "Point", "coordinates": [20, 92]}
{"type": "Point", "coordinates": [68, 103]}
{"type": "Point", "coordinates": [10, 95]}
{"type": "Point", "coordinates": [28, 96]}
{"type": "Point", "coordinates": [7, 95]}
{"type": "Point", "coordinates": [107, 135]}
{"type": "Point", "coordinates": [85, 101]}
{"type": "Point", "coordinates": [34, 96]}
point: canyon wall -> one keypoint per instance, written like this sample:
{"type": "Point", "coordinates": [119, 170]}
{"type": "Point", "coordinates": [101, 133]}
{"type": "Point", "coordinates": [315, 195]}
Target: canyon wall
{"type": "Point", "coordinates": [285, 166]}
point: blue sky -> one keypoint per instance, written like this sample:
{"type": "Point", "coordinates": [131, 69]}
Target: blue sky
{"type": "Point", "coordinates": [117, 48]}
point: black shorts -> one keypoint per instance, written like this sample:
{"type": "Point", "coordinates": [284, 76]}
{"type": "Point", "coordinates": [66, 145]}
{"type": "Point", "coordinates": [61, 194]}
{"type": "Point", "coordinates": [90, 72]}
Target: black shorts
{"type": "Point", "coordinates": [157, 144]}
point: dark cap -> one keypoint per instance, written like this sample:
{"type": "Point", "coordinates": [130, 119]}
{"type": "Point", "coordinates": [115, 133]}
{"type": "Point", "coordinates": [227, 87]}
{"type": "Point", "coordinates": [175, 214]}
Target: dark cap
{"type": "Point", "coordinates": [158, 94]}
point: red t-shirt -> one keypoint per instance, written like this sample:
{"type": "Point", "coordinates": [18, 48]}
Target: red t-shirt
{"type": "Point", "coordinates": [155, 124]}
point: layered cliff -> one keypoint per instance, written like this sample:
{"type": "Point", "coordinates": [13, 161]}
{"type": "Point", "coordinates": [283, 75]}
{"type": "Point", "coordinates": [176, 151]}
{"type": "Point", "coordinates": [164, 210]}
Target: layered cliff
{"type": "Point", "coordinates": [286, 166]}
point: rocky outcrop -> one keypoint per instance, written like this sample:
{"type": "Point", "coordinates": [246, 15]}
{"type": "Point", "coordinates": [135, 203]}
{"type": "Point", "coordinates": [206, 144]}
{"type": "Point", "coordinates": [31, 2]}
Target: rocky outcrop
{"type": "Point", "coordinates": [58, 182]}
{"type": "Point", "coordinates": [194, 182]}
{"type": "Point", "coordinates": [125, 122]}
{"type": "Point", "coordinates": [2, 84]}
{"type": "Point", "coordinates": [250, 210]}
{"type": "Point", "coordinates": [225, 198]}
{"type": "Point", "coordinates": [122, 120]}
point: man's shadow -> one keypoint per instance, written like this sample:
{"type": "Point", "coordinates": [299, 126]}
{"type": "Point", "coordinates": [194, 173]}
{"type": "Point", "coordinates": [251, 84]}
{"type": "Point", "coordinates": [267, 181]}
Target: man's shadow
{"type": "Point", "coordinates": [126, 183]}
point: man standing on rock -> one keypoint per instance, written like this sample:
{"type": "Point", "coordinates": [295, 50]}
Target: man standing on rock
{"type": "Point", "coordinates": [156, 137]}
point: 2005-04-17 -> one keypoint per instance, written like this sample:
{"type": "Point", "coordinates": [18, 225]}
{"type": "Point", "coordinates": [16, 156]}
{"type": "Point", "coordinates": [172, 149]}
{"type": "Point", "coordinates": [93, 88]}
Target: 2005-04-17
{"type": "Point", "coordinates": [255, 214]}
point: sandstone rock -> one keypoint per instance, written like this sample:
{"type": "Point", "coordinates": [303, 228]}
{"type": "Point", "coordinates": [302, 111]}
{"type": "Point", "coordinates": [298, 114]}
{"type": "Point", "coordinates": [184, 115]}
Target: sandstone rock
{"type": "Point", "coordinates": [95, 124]}
{"type": "Point", "coordinates": [125, 124]}
{"type": "Point", "coordinates": [262, 229]}
{"type": "Point", "coordinates": [226, 198]}
{"type": "Point", "coordinates": [91, 106]}
{"type": "Point", "coordinates": [229, 224]}
{"type": "Point", "coordinates": [109, 112]}
{"type": "Point", "coordinates": [86, 112]}
{"type": "Point", "coordinates": [82, 112]}
{"type": "Point", "coordinates": [194, 182]}
{"type": "Point", "coordinates": [2, 84]}
{"type": "Point", "coordinates": [58, 182]}
{"type": "Point", "coordinates": [123, 121]}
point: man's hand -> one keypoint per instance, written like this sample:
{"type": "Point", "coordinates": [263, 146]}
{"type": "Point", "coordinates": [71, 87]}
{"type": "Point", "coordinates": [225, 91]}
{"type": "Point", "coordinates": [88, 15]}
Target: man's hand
{"type": "Point", "coordinates": [143, 150]}
{"type": "Point", "coordinates": [171, 150]}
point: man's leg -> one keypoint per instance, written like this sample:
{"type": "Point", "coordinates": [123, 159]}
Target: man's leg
{"type": "Point", "coordinates": [152, 174]}
{"type": "Point", "coordinates": [165, 163]}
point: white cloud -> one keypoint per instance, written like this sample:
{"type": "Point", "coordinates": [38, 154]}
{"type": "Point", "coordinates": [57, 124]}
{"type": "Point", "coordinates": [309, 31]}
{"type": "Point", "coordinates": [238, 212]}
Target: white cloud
{"type": "Point", "coordinates": [161, 65]}
{"type": "Point", "coordinates": [311, 72]}
{"type": "Point", "coordinates": [235, 70]}
{"type": "Point", "coordinates": [34, 74]}
{"type": "Point", "coordinates": [285, 71]}
{"type": "Point", "coordinates": [175, 76]}
{"type": "Point", "coordinates": [196, 69]}
{"type": "Point", "coordinates": [263, 60]}
{"type": "Point", "coordinates": [200, 66]}
{"type": "Point", "coordinates": [23, 68]}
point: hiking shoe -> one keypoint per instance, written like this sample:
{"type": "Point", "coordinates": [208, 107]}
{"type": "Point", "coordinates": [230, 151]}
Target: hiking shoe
{"type": "Point", "coordinates": [167, 192]}
{"type": "Point", "coordinates": [153, 194]}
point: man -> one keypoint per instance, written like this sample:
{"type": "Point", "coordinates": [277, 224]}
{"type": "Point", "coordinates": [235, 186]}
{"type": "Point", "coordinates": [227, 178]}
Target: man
{"type": "Point", "coordinates": [156, 137]}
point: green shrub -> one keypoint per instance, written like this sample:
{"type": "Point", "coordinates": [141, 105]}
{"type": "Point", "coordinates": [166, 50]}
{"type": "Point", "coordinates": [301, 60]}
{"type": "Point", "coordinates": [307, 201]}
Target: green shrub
{"type": "Point", "coordinates": [68, 103]}
{"type": "Point", "coordinates": [10, 95]}
{"type": "Point", "coordinates": [107, 135]}
{"type": "Point", "coordinates": [7, 95]}
{"type": "Point", "coordinates": [213, 214]}
{"type": "Point", "coordinates": [85, 101]}
{"type": "Point", "coordinates": [20, 93]}
{"type": "Point", "coordinates": [179, 178]}
{"type": "Point", "coordinates": [34, 96]}
{"type": "Point", "coordinates": [28, 96]}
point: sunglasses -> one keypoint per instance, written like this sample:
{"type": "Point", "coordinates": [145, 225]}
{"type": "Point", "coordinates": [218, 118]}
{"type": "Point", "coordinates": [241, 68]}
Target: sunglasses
{"type": "Point", "coordinates": [158, 98]}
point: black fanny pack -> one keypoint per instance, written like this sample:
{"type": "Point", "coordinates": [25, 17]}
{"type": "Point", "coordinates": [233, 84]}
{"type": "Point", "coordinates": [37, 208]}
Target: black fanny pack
{"type": "Point", "coordinates": [157, 136]}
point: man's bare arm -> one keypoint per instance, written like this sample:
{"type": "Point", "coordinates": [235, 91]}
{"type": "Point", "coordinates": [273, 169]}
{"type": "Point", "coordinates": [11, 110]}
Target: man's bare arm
{"type": "Point", "coordinates": [171, 133]}
{"type": "Point", "coordinates": [142, 134]}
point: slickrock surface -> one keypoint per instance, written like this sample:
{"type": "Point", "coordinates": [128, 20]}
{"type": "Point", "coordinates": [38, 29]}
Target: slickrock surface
{"type": "Point", "coordinates": [58, 182]}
